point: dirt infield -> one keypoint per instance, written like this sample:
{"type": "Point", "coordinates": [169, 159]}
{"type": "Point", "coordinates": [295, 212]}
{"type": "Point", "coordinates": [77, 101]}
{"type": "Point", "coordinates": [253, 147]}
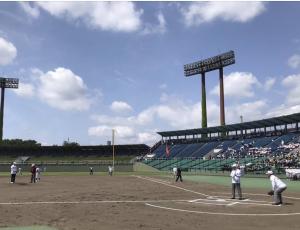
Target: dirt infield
{"type": "Point", "coordinates": [139, 202]}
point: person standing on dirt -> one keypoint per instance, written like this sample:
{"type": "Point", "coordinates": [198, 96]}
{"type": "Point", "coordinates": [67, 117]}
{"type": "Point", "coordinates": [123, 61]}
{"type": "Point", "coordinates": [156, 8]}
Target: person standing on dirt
{"type": "Point", "coordinates": [91, 171]}
{"type": "Point", "coordinates": [277, 188]}
{"type": "Point", "coordinates": [178, 174]}
{"type": "Point", "coordinates": [174, 171]}
{"type": "Point", "coordinates": [236, 181]}
{"type": "Point", "coordinates": [110, 170]}
{"type": "Point", "coordinates": [33, 172]}
{"type": "Point", "coordinates": [37, 174]}
{"type": "Point", "coordinates": [13, 172]}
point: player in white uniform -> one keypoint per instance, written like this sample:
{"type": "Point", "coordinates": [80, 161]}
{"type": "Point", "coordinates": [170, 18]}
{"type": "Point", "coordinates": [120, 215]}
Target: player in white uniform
{"type": "Point", "coordinates": [174, 171]}
{"type": "Point", "coordinates": [278, 186]}
{"type": "Point", "coordinates": [37, 174]}
{"type": "Point", "coordinates": [13, 172]}
{"type": "Point", "coordinates": [110, 170]}
{"type": "Point", "coordinates": [236, 181]}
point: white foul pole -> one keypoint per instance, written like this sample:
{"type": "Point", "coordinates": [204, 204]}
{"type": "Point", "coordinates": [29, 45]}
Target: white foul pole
{"type": "Point", "coordinates": [113, 148]}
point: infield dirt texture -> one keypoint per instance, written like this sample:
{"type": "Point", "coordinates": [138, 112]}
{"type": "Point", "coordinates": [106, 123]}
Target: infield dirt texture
{"type": "Point", "coordinates": [139, 202]}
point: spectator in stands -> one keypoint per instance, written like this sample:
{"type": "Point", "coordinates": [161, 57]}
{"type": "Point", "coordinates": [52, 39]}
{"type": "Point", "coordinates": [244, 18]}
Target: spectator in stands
{"type": "Point", "coordinates": [277, 187]}
{"type": "Point", "coordinates": [178, 174]}
{"type": "Point", "coordinates": [33, 171]}
{"type": "Point", "coordinates": [236, 181]}
{"type": "Point", "coordinates": [13, 172]}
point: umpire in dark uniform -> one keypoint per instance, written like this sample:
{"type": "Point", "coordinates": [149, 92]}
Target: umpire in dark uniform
{"type": "Point", "coordinates": [178, 174]}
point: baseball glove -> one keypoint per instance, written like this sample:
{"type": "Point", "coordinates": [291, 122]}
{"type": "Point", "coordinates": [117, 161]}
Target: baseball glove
{"type": "Point", "coordinates": [271, 193]}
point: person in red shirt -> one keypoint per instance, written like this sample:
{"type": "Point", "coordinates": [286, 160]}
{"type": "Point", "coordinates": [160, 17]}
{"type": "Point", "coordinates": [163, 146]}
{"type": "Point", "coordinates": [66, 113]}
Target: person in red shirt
{"type": "Point", "coordinates": [33, 171]}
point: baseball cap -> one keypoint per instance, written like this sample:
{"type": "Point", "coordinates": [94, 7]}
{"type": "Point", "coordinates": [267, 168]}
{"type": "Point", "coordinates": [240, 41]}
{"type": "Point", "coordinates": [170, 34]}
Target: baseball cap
{"type": "Point", "coordinates": [269, 172]}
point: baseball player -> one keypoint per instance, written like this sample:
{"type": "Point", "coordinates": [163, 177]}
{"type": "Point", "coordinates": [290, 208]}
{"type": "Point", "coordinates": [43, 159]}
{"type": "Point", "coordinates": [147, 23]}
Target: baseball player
{"type": "Point", "coordinates": [37, 174]}
{"type": "Point", "coordinates": [33, 171]}
{"type": "Point", "coordinates": [277, 188]}
{"type": "Point", "coordinates": [91, 171]}
{"type": "Point", "coordinates": [236, 181]}
{"type": "Point", "coordinates": [13, 172]}
{"type": "Point", "coordinates": [20, 171]}
{"type": "Point", "coordinates": [110, 170]}
{"type": "Point", "coordinates": [174, 171]}
{"type": "Point", "coordinates": [178, 174]}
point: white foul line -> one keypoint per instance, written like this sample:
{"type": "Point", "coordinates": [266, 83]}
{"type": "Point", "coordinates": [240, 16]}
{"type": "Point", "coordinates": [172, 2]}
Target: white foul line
{"type": "Point", "coordinates": [174, 186]}
{"type": "Point", "coordinates": [222, 213]}
{"type": "Point", "coordinates": [89, 202]}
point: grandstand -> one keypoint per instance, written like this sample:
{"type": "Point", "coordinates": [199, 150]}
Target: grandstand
{"type": "Point", "coordinates": [261, 144]}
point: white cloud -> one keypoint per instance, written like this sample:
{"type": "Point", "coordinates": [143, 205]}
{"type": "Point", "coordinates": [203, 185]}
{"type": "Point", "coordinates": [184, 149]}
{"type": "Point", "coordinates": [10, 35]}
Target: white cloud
{"type": "Point", "coordinates": [163, 86]}
{"type": "Point", "coordinates": [292, 83]}
{"type": "Point", "coordinates": [64, 90]}
{"type": "Point", "coordinates": [250, 111]}
{"type": "Point", "coordinates": [238, 84]}
{"type": "Point", "coordinates": [294, 61]}
{"type": "Point", "coordinates": [201, 12]}
{"type": "Point", "coordinates": [25, 90]}
{"type": "Point", "coordinates": [113, 16]}
{"type": "Point", "coordinates": [30, 9]}
{"type": "Point", "coordinates": [106, 131]}
{"type": "Point", "coordinates": [8, 52]}
{"type": "Point", "coordinates": [120, 107]}
{"type": "Point", "coordinates": [156, 29]}
{"type": "Point", "coordinates": [269, 83]}
{"type": "Point", "coordinates": [147, 137]}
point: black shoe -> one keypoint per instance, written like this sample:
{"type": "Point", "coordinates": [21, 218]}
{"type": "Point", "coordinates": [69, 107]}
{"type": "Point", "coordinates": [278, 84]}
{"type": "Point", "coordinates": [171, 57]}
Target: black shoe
{"type": "Point", "coordinates": [240, 198]}
{"type": "Point", "coordinates": [278, 204]}
{"type": "Point", "coordinates": [232, 198]}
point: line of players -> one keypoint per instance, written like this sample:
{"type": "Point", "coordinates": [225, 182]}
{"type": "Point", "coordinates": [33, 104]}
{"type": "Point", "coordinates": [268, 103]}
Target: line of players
{"type": "Point", "coordinates": [278, 186]}
{"type": "Point", "coordinates": [34, 170]}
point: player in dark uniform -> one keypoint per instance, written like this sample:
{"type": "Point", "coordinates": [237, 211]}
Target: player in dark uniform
{"type": "Point", "coordinates": [178, 174]}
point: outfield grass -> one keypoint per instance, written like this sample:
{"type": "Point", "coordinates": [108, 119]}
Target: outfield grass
{"type": "Point", "coordinates": [35, 159]}
{"type": "Point", "coordinates": [263, 183]}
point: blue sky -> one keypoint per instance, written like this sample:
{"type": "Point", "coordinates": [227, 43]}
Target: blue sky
{"type": "Point", "coordinates": [86, 68]}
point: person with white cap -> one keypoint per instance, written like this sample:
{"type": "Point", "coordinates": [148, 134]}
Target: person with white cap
{"type": "Point", "coordinates": [236, 181]}
{"type": "Point", "coordinates": [278, 186]}
{"type": "Point", "coordinates": [13, 172]}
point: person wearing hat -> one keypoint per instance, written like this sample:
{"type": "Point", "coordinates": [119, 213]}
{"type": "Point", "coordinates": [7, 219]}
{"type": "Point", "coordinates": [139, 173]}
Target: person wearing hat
{"type": "Point", "coordinates": [33, 172]}
{"type": "Point", "coordinates": [13, 172]}
{"type": "Point", "coordinates": [236, 181]}
{"type": "Point", "coordinates": [277, 188]}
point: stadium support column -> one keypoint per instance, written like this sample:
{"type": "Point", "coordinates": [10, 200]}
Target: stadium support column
{"type": "Point", "coordinates": [203, 102]}
{"type": "Point", "coordinates": [1, 113]}
{"type": "Point", "coordinates": [222, 109]}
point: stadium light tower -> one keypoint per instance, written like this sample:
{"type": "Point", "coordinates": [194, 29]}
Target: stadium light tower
{"type": "Point", "coordinates": [11, 83]}
{"type": "Point", "coordinates": [207, 65]}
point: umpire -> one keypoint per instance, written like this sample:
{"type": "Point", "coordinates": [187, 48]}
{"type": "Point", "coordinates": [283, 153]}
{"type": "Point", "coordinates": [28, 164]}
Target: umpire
{"type": "Point", "coordinates": [178, 174]}
{"type": "Point", "coordinates": [235, 180]}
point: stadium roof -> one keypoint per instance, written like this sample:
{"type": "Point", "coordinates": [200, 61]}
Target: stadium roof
{"type": "Point", "coordinates": [270, 122]}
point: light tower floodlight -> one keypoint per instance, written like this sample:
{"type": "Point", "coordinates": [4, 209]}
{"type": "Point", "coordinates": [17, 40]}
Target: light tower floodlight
{"type": "Point", "coordinates": [207, 65]}
{"type": "Point", "coordinates": [10, 83]}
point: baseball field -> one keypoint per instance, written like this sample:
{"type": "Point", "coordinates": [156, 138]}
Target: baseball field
{"type": "Point", "coordinates": [143, 201]}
